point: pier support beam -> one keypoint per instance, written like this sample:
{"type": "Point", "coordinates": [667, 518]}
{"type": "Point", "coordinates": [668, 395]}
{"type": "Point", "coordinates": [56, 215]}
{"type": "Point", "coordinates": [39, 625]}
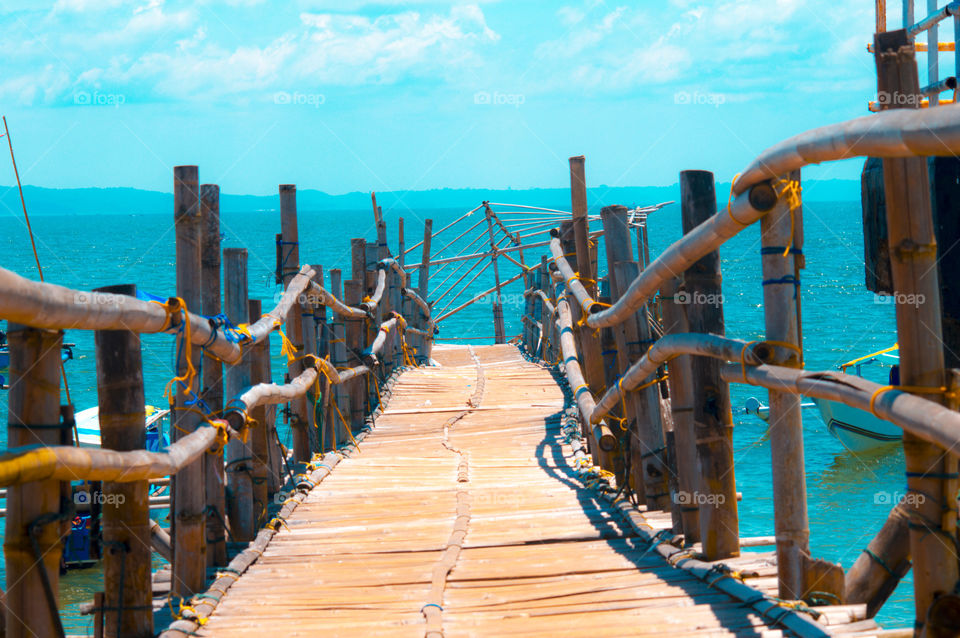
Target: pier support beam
{"type": "Point", "coordinates": [189, 536]}
{"type": "Point", "coordinates": [289, 266]}
{"type": "Point", "coordinates": [32, 544]}
{"type": "Point", "coordinates": [931, 471]}
{"type": "Point", "coordinates": [239, 469]}
{"type": "Point", "coordinates": [126, 518]}
{"type": "Point", "coordinates": [712, 416]}
{"type": "Point", "coordinates": [259, 441]}
{"type": "Point", "coordinates": [212, 380]}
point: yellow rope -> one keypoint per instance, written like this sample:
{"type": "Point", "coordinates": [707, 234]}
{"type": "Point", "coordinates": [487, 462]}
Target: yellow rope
{"type": "Point", "coordinates": [286, 348]}
{"type": "Point", "coordinates": [792, 189]}
{"type": "Point", "coordinates": [346, 424]}
{"type": "Point", "coordinates": [846, 365]}
{"type": "Point", "coordinates": [650, 383]}
{"type": "Point", "coordinates": [172, 306]}
{"type": "Point", "coordinates": [730, 202]}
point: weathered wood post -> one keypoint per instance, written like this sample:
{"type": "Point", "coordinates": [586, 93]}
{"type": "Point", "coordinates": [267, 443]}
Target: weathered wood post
{"type": "Point", "coordinates": [633, 340]}
{"type": "Point", "coordinates": [290, 266]}
{"type": "Point", "coordinates": [546, 322]}
{"type": "Point", "coordinates": [354, 329]}
{"type": "Point", "coordinates": [781, 253]}
{"type": "Point", "coordinates": [680, 382]}
{"type": "Point", "coordinates": [323, 350]}
{"type": "Point", "coordinates": [340, 400]}
{"type": "Point", "coordinates": [189, 536]}
{"type": "Point", "coordinates": [212, 380]}
{"type": "Point", "coordinates": [33, 509]}
{"type": "Point", "coordinates": [239, 469]}
{"type": "Point", "coordinates": [712, 416]}
{"type": "Point", "coordinates": [498, 328]}
{"type": "Point", "coordinates": [126, 517]}
{"type": "Point", "coordinates": [259, 453]}
{"type": "Point", "coordinates": [423, 279]}
{"type": "Point", "coordinates": [931, 472]}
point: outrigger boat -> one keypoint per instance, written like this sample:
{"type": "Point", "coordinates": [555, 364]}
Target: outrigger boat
{"type": "Point", "coordinates": [857, 430]}
{"type": "Point", "coordinates": [65, 355]}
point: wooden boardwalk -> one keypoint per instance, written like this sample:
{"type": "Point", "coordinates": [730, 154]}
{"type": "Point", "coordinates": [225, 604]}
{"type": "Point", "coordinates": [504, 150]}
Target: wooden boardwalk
{"type": "Point", "coordinates": [462, 515]}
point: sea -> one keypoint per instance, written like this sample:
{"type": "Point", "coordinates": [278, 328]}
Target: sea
{"type": "Point", "coordinates": [849, 495]}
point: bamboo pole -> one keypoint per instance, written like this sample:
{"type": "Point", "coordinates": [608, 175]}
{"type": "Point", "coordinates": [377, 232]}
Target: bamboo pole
{"type": "Point", "coordinates": [187, 525]}
{"type": "Point", "coordinates": [354, 334]}
{"type": "Point", "coordinates": [931, 471]}
{"type": "Point", "coordinates": [126, 516]}
{"type": "Point", "coordinates": [712, 417]}
{"type": "Point", "coordinates": [32, 545]}
{"type": "Point", "coordinates": [680, 383]}
{"type": "Point", "coordinates": [239, 469]}
{"type": "Point", "coordinates": [500, 252]}
{"type": "Point", "coordinates": [290, 263]}
{"type": "Point", "coordinates": [259, 441]}
{"type": "Point", "coordinates": [498, 327]}
{"type": "Point", "coordinates": [212, 380]}
{"type": "Point", "coordinates": [423, 289]}
{"type": "Point", "coordinates": [309, 340]}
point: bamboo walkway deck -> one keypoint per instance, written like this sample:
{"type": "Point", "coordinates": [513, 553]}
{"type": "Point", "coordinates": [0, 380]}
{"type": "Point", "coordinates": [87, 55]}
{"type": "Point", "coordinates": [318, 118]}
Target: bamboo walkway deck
{"type": "Point", "coordinates": [464, 498]}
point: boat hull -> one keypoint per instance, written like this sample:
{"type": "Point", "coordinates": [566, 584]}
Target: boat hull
{"type": "Point", "coordinates": [857, 430]}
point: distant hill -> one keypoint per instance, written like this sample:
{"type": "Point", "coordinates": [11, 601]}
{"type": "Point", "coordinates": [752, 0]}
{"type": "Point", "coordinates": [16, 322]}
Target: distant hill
{"type": "Point", "coordinates": [107, 201]}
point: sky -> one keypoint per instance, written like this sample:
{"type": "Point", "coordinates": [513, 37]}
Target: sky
{"type": "Point", "coordinates": [348, 95]}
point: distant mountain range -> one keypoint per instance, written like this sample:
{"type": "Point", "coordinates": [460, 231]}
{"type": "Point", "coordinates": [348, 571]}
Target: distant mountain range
{"type": "Point", "coordinates": [113, 201]}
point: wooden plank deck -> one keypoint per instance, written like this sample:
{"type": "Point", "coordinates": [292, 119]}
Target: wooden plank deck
{"type": "Point", "coordinates": [480, 512]}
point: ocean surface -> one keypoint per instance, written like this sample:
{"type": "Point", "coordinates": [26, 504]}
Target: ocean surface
{"type": "Point", "coordinates": [849, 495]}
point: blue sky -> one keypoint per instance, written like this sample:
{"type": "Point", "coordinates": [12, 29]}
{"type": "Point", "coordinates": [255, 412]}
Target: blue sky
{"type": "Point", "coordinates": [354, 95]}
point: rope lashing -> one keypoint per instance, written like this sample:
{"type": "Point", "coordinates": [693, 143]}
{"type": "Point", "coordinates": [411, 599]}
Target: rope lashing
{"type": "Point", "coordinates": [174, 306]}
{"type": "Point", "coordinates": [791, 189]}
{"type": "Point", "coordinates": [730, 203]}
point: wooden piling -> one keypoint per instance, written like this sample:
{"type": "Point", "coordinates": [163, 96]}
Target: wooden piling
{"type": "Point", "coordinates": [339, 411]}
{"type": "Point", "coordinates": [781, 232]}
{"type": "Point", "coordinates": [498, 327]}
{"type": "Point", "coordinates": [290, 265]}
{"type": "Point", "coordinates": [712, 416]}
{"type": "Point", "coordinates": [680, 383]}
{"type": "Point", "coordinates": [239, 469]}
{"type": "Point", "coordinates": [632, 337]}
{"type": "Point", "coordinates": [212, 379]}
{"type": "Point", "coordinates": [126, 518]}
{"type": "Point", "coordinates": [31, 544]}
{"type": "Point", "coordinates": [259, 357]}
{"type": "Point", "coordinates": [931, 472]}
{"type": "Point", "coordinates": [423, 280]}
{"type": "Point", "coordinates": [353, 331]}
{"type": "Point", "coordinates": [189, 536]}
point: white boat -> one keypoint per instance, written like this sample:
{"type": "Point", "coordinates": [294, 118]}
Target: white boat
{"type": "Point", "coordinates": [859, 430]}
{"type": "Point", "coordinates": [88, 428]}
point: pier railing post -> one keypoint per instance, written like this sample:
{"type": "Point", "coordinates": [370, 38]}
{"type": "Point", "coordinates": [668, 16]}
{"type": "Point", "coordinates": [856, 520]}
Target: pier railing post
{"type": "Point", "coordinates": [33, 509]}
{"type": "Point", "coordinates": [650, 472]}
{"type": "Point", "coordinates": [354, 330]}
{"type": "Point", "coordinates": [290, 265]}
{"type": "Point", "coordinates": [498, 327]}
{"type": "Point", "coordinates": [712, 416]}
{"type": "Point", "coordinates": [931, 471]}
{"type": "Point", "coordinates": [323, 349]}
{"type": "Point", "coordinates": [239, 469]}
{"type": "Point", "coordinates": [423, 286]}
{"type": "Point", "coordinates": [259, 453]}
{"type": "Point", "coordinates": [680, 383]}
{"type": "Point", "coordinates": [782, 247]}
{"type": "Point", "coordinates": [188, 486]}
{"type": "Point", "coordinates": [212, 380]}
{"type": "Point", "coordinates": [340, 400]}
{"type": "Point", "coordinates": [126, 516]}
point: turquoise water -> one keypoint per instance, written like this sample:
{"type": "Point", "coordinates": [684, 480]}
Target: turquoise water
{"type": "Point", "coordinates": [841, 321]}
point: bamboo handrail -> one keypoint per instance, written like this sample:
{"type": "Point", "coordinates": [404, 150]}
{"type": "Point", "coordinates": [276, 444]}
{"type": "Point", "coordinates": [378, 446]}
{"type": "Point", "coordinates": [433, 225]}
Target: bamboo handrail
{"type": "Point", "coordinates": [578, 385]}
{"type": "Point", "coordinates": [69, 463]}
{"type": "Point", "coordinates": [670, 347]}
{"type": "Point", "coordinates": [396, 322]}
{"type": "Point", "coordinates": [325, 298]}
{"type": "Point", "coordinates": [588, 304]}
{"type": "Point", "coordinates": [411, 294]}
{"type": "Point", "coordinates": [52, 307]}
{"type": "Point", "coordinates": [371, 305]}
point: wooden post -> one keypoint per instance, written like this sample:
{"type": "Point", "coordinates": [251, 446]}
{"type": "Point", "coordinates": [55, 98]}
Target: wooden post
{"type": "Point", "coordinates": [290, 264]}
{"type": "Point", "coordinates": [712, 417]}
{"type": "Point", "coordinates": [498, 328]}
{"type": "Point", "coordinates": [212, 381]}
{"type": "Point", "coordinates": [354, 329]}
{"type": "Point", "coordinates": [340, 398]}
{"type": "Point", "coordinates": [189, 536]}
{"type": "Point", "coordinates": [309, 340]}
{"type": "Point", "coordinates": [781, 229]}
{"type": "Point", "coordinates": [239, 468]}
{"type": "Point", "coordinates": [33, 400]}
{"type": "Point", "coordinates": [633, 340]}
{"type": "Point", "coordinates": [259, 452]}
{"type": "Point", "coordinates": [126, 517]}
{"type": "Point", "coordinates": [931, 472]}
{"type": "Point", "coordinates": [423, 284]}
{"type": "Point", "coordinates": [323, 349]}
{"type": "Point", "coordinates": [682, 398]}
